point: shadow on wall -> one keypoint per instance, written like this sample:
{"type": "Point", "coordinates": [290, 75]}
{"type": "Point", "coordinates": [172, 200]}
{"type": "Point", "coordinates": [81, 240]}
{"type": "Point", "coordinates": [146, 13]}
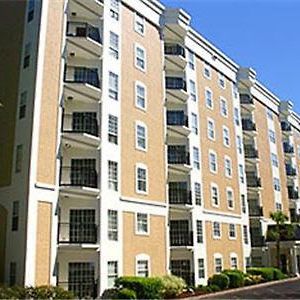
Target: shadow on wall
{"type": "Point", "coordinates": [3, 224]}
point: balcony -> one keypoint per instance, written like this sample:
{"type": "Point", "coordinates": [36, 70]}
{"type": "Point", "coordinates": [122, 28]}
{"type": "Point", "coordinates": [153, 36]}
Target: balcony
{"type": "Point", "coordinates": [288, 148]}
{"type": "Point", "coordinates": [286, 127]}
{"type": "Point", "coordinates": [253, 181]}
{"type": "Point", "coordinates": [290, 170]}
{"type": "Point", "coordinates": [247, 100]}
{"type": "Point", "coordinates": [181, 238]}
{"type": "Point", "coordinates": [83, 289]}
{"type": "Point", "coordinates": [293, 193]}
{"type": "Point", "coordinates": [175, 57]}
{"type": "Point", "coordinates": [177, 123]}
{"type": "Point", "coordinates": [79, 180]}
{"type": "Point", "coordinates": [176, 90]}
{"type": "Point", "coordinates": [85, 9]}
{"type": "Point", "coordinates": [77, 233]}
{"type": "Point", "coordinates": [179, 194]}
{"type": "Point", "coordinates": [248, 126]}
{"type": "Point", "coordinates": [258, 241]}
{"type": "Point", "coordinates": [82, 82]}
{"type": "Point", "coordinates": [179, 158]}
{"type": "Point", "coordinates": [80, 130]}
{"type": "Point", "coordinates": [251, 153]}
{"type": "Point", "coordinates": [255, 210]}
{"type": "Point", "coordinates": [83, 41]}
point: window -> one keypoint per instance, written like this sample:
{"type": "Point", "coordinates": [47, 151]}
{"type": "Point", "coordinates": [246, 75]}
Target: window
{"type": "Point", "coordinates": [226, 137]}
{"type": "Point", "coordinates": [218, 264]}
{"type": "Point", "coordinates": [232, 231]}
{"type": "Point", "coordinates": [235, 91]}
{"type": "Point", "coordinates": [230, 198]}
{"type": "Point", "coordinates": [214, 195]}
{"type": "Point", "coordinates": [113, 129]}
{"type": "Point", "coordinates": [142, 267]}
{"type": "Point", "coordinates": [15, 216]}
{"type": "Point", "coordinates": [198, 193]}
{"type": "Point", "coordinates": [201, 268]}
{"type": "Point", "coordinates": [211, 129]}
{"type": "Point", "coordinates": [113, 86]}
{"type": "Point", "coordinates": [276, 184]}
{"type": "Point", "coordinates": [223, 107]}
{"type": "Point", "coordinates": [114, 45]}
{"type": "Point", "coordinates": [19, 158]}
{"type": "Point", "coordinates": [207, 71]}
{"type": "Point", "coordinates": [269, 114]}
{"type": "Point", "coordinates": [274, 160]}
{"type": "Point", "coordinates": [140, 96]}
{"type": "Point", "coordinates": [222, 82]}
{"type": "Point", "coordinates": [213, 162]}
{"type": "Point", "coordinates": [216, 230]}
{"type": "Point", "coordinates": [141, 136]}
{"type": "Point", "coordinates": [140, 58]}
{"type": "Point", "coordinates": [22, 107]}
{"type": "Point", "coordinates": [241, 174]}
{"type": "Point", "coordinates": [227, 167]}
{"type": "Point", "coordinates": [245, 234]}
{"type": "Point", "coordinates": [248, 262]}
{"type": "Point", "coordinates": [112, 225]}
{"type": "Point", "coordinates": [112, 175]}
{"type": "Point", "coordinates": [236, 116]}
{"type": "Point", "coordinates": [30, 14]}
{"type": "Point", "coordinates": [12, 273]}
{"type": "Point", "coordinates": [278, 206]}
{"type": "Point", "coordinates": [191, 60]}
{"type": "Point", "coordinates": [141, 179]}
{"type": "Point", "coordinates": [196, 158]}
{"type": "Point", "coordinates": [193, 93]}
{"type": "Point", "coordinates": [112, 273]}
{"type": "Point", "coordinates": [233, 262]}
{"type": "Point", "coordinates": [114, 10]}
{"type": "Point", "coordinates": [194, 122]}
{"type": "Point", "coordinates": [272, 136]}
{"type": "Point", "coordinates": [139, 24]}
{"type": "Point", "coordinates": [199, 232]}
{"type": "Point", "coordinates": [26, 60]}
{"type": "Point", "coordinates": [209, 99]}
{"type": "Point", "coordinates": [243, 201]}
{"type": "Point", "coordinates": [142, 223]}
{"type": "Point", "coordinates": [239, 144]}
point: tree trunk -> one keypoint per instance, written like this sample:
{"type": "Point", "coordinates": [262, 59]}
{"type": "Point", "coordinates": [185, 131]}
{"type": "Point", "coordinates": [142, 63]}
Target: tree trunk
{"type": "Point", "coordinates": [278, 253]}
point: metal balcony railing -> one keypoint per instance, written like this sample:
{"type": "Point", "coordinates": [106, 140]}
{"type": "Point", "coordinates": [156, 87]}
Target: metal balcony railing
{"type": "Point", "coordinates": [81, 29]}
{"type": "Point", "coordinates": [253, 180]}
{"type": "Point", "coordinates": [175, 83]}
{"type": "Point", "coordinates": [255, 210]}
{"type": "Point", "coordinates": [79, 177]}
{"type": "Point", "coordinates": [286, 126]}
{"type": "Point", "coordinates": [77, 233]}
{"type": "Point", "coordinates": [83, 289]}
{"type": "Point", "coordinates": [248, 125]}
{"type": "Point", "coordinates": [174, 49]}
{"type": "Point", "coordinates": [177, 118]}
{"type": "Point", "coordinates": [178, 155]}
{"type": "Point", "coordinates": [257, 241]}
{"type": "Point", "coordinates": [183, 238]}
{"type": "Point", "coordinates": [290, 170]}
{"type": "Point", "coordinates": [250, 152]}
{"type": "Point", "coordinates": [82, 75]}
{"type": "Point", "coordinates": [288, 148]}
{"type": "Point", "coordinates": [246, 99]}
{"type": "Point", "coordinates": [293, 193]}
{"type": "Point", "coordinates": [180, 196]}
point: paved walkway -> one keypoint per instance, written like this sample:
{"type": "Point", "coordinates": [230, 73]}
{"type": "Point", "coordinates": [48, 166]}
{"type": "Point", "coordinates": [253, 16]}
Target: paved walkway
{"type": "Point", "coordinates": [288, 289]}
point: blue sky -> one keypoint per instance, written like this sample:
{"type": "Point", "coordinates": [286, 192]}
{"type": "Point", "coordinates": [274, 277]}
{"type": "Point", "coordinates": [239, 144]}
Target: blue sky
{"type": "Point", "coordinates": [263, 34]}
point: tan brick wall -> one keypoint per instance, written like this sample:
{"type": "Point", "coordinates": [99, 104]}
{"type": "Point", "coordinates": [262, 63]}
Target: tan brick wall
{"type": "Point", "coordinates": [154, 158]}
{"type": "Point", "coordinates": [217, 145]}
{"type": "Point", "coordinates": [43, 243]}
{"type": "Point", "coordinates": [10, 58]}
{"type": "Point", "coordinates": [50, 95]}
{"type": "Point", "coordinates": [153, 245]}
{"type": "Point", "coordinates": [3, 228]}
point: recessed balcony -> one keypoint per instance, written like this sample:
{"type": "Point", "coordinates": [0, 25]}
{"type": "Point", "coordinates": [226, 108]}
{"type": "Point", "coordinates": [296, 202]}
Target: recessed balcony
{"type": "Point", "coordinates": [247, 101]}
{"type": "Point", "coordinates": [249, 127]}
{"type": "Point", "coordinates": [288, 149]}
{"type": "Point", "coordinates": [290, 170]}
{"type": "Point", "coordinates": [180, 235]}
{"type": "Point", "coordinates": [85, 9]}
{"type": "Point", "coordinates": [178, 158]}
{"type": "Point", "coordinates": [82, 81]}
{"type": "Point", "coordinates": [175, 58]}
{"type": "Point", "coordinates": [253, 181]}
{"type": "Point", "coordinates": [251, 154]}
{"type": "Point", "coordinates": [176, 90]}
{"type": "Point", "coordinates": [286, 128]}
{"type": "Point", "coordinates": [293, 193]}
{"type": "Point", "coordinates": [255, 210]}
{"type": "Point", "coordinates": [87, 289]}
{"type": "Point", "coordinates": [83, 41]}
{"type": "Point", "coordinates": [179, 195]}
{"type": "Point", "coordinates": [177, 124]}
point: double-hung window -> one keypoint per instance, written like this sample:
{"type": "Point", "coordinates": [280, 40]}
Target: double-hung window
{"type": "Point", "coordinates": [207, 71]}
{"type": "Point", "coordinates": [114, 9]}
{"type": "Point", "coordinates": [214, 195]}
{"type": "Point", "coordinates": [232, 231]}
{"type": "Point", "coordinates": [113, 86]}
{"type": "Point", "coordinates": [276, 184]}
{"type": "Point", "coordinates": [139, 24]}
{"type": "Point", "coordinates": [230, 198]}
{"type": "Point", "coordinates": [226, 137]}
{"type": "Point", "coordinates": [141, 179]}
{"type": "Point", "coordinates": [140, 96]}
{"type": "Point", "coordinates": [19, 158]}
{"type": "Point", "coordinates": [201, 268]}
{"type": "Point", "coordinates": [114, 45]}
{"type": "Point", "coordinates": [196, 158]}
{"type": "Point", "coordinates": [26, 59]}
{"type": "Point", "coordinates": [272, 136]}
{"type": "Point", "coordinates": [218, 265]}
{"type": "Point", "coordinates": [228, 167]}
{"type": "Point", "coordinates": [112, 273]}
{"type": "Point", "coordinates": [211, 129]}
{"type": "Point", "coordinates": [222, 81]}
{"type": "Point", "coordinates": [216, 230]}
{"type": "Point", "coordinates": [194, 122]}
{"type": "Point", "coordinates": [209, 99]}
{"type": "Point", "coordinates": [197, 193]}
{"type": "Point", "coordinates": [191, 60]}
{"type": "Point", "coordinates": [142, 226]}
{"type": "Point", "coordinates": [223, 107]}
{"type": "Point", "coordinates": [141, 136]}
{"type": "Point", "coordinates": [213, 162]}
{"type": "Point", "coordinates": [22, 106]}
{"type": "Point", "coordinates": [140, 58]}
{"type": "Point", "coordinates": [112, 225]}
{"type": "Point", "coordinates": [113, 129]}
{"type": "Point", "coordinates": [233, 262]}
{"type": "Point", "coordinates": [199, 231]}
{"type": "Point", "coordinates": [236, 116]}
{"type": "Point", "coordinates": [112, 175]}
{"type": "Point", "coordinates": [274, 160]}
{"type": "Point", "coordinates": [142, 267]}
{"type": "Point", "coordinates": [193, 93]}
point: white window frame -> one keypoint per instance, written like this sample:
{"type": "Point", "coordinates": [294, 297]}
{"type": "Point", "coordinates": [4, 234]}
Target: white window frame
{"type": "Point", "coordinates": [137, 224]}
{"type": "Point", "coordinates": [202, 269]}
{"type": "Point", "coordinates": [137, 146]}
{"type": "Point", "coordinates": [141, 166]}
{"type": "Point", "coordinates": [234, 255]}
{"type": "Point", "coordinates": [142, 257]}
{"type": "Point", "coordinates": [229, 189]}
{"type": "Point", "coordinates": [272, 136]}
{"type": "Point", "coordinates": [241, 173]}
{"type": "Point", "coordinates": [112, 275]}
{"type": "Point", "coordinates": [111, 181]}
{"type": "Point", "coordinates": [193, 90]}
{"type": "Point", "coordinates": [276, 184]}
{"type": "Point", "coordinates": [219, 236]}
{"type": "Point", "coordinates": [212, 98]}
{"type": "Point", "coordinates": [196, 160]}
{"type": "Point", "coordinates": [218, 256]}
{"type": "Point", "coordinates": [209, 120]}
{"type": "Point", "coordinates": [194, 123]}
{"type": "Point", "coordinates": [214, 186]}
{"type": "Point", "coordinates": [221, 77]}
{"type": "Point", "coordinates": [274, 160]}
{"type": "Point", "coordinates": [136, 47]}
{"type": "Point", "coordinates": [206, 66]}
{"type": "Point", "coordinates": [234, 231]}
{"type": "Point", "coordinates": [212, 152]}
{"type": "Point", "coordinates": [236, 116]}
{"type": "Point", "coordinates": [226, 159]}
{"type": "Point", "coordinates": [139, 19]}
{"type": "Point", "coordinates": [223, 100]}
{"type": "Point", "coordinates": [226, 129]}
{"type": "Point", "coordinates": [114, 50]}
{"type": "Point", "coordinates": [191, 59]}
{"type": "Point", "coordinates": [239, 143]}
{"type": "Point", "coordinates": [141, 85]}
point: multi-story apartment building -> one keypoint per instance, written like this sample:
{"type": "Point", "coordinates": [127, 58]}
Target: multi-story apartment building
{"type": "Point", "coordinates": [130, 145]}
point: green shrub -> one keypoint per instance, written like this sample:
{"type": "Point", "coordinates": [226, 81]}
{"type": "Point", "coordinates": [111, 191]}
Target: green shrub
{"type": "Point", "coordinates": [110, 294]}
{"type": "Point", "coordinates": [214, 288]}
{"type": "Point", "coordinates": [126, 294]}
{"type": "Point", "coordinates": [172, 286]}
{"type": "Point", "coordinates": [236, 278]}
{"type": "Point", "coordinates": [221, 280]}
{"type": "Point", "coordinates": [278, 275]}
{"type": "Point", "coordinates": [145, 288]}
{"type": "Point", "coordinates": [267, 274]}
